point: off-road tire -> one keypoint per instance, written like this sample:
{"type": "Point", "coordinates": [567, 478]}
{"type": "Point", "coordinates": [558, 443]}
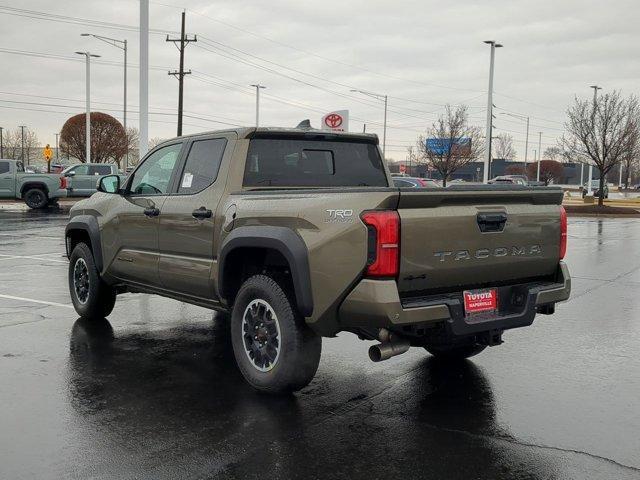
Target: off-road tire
{"type": "Point", "coordinates": [36, 198]}
{"type": "Point", "coordinates": [298, 352]}
{"type": "Point", "coordinates": [84, 279]}
{"type": "Point", "coordinates": [455, 352]}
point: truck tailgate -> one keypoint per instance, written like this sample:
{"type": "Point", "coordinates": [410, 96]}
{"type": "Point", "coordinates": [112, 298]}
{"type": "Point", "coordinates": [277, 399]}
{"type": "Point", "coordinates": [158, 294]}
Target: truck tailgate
{"type": "Point", "coordinates": [458, 238]}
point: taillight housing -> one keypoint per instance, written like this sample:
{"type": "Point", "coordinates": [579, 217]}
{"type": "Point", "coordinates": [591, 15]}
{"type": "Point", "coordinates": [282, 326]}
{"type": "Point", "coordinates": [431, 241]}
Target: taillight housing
{"type": "Point", "coordinates": [63, 182]}
{"type": "Point", "coordinates": [383, 245]}
{"type": "Point", "coordinates": [563, 232]}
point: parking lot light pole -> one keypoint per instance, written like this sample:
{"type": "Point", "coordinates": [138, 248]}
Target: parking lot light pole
{"type": "Point", "coordinates": [539, 153]}
{"type": "Point", "coordinates": [1, 144]}
{"type": "Point", "coordinates": [595, 104]}
{"type": "Point", "coordinates": [22, 127]}
{"type": "Point", "coordinates": [122, 45]}
{"type": "Point", "coordinates": [258, 87]}
{"type": "Point", "coordinates": [487, 155]}
{"type": "Point", "coordinates": [57, 135]}
{"type": "Point", "coordinates": [88, 114]}
{"type": "Point", "coordinates": [385, 99]}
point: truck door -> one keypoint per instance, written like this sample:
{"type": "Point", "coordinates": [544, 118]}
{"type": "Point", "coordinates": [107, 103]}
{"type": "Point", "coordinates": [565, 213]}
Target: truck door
{"type": "Point", "coordinates": [95, 172]}
{"type": "Point", "coordinates": [7, 180]}
{"type": "Point", "coordinates": [187, 240]}
{"type": "Point", "coordinates": [131, 235]}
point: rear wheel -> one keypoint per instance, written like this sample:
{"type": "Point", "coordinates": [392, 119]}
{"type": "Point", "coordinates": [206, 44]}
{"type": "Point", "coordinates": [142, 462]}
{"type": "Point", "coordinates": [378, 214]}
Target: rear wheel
{"type": "Point", "coordinates": [275, 350]}
{"type": "Point", "coordinates": [453, 352]}
{"type": "Point", "coordinates": [36, 198]}
{"type": "Point", "coordinates": [91, 296]}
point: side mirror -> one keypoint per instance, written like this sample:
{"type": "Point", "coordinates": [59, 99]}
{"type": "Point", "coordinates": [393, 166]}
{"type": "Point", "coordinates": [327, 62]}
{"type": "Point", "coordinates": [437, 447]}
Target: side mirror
{"type": "Point", "coordinates": [109, 184]}
{"type": "Point", "coordinates": [70, 174]}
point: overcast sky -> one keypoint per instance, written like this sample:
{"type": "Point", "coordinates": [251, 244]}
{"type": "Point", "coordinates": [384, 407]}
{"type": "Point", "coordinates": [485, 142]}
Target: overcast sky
{"type": "Point", "coordinates": [422, 54]}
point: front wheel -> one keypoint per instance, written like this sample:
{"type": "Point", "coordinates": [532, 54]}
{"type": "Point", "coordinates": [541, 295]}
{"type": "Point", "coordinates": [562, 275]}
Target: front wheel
{"type": "Point", "coordinates": [455, 352]}
{"type": "Point", "coordinates": [91, 296]}
{"type": "Point", "coordinates": [36, 198]}
{"type": "Point", "coordinates": [275, 350]}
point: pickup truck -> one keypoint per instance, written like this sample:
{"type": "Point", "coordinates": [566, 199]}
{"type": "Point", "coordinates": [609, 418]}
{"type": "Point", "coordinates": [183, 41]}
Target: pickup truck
{"type": "Point", "coordinates": [300, 234]}
{"type": "Point", "coordinates": [37, 190]}
{"type": "Point", "coordinates": [82, 178]}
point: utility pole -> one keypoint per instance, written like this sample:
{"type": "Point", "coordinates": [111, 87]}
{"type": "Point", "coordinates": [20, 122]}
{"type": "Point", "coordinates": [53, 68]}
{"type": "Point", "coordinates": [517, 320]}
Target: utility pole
{"type": "Point", "coordinates": [257, 87]}
{"type": "Point", "coordinates": [487, 157]}
{"type": "Point", "coordinates": [57, 156]}
{"type": "Point", "coordinates": [1, 144]}
{"type": "Point", "coordinates": [87, 122]}
{"type": "Point", "coordinates": [595, 105]}
{"type": "Point", "coordinates": [22, 127]}
{"type": "Point", "coordinates": [122, 45]}
{"type": "Point", "coordinates": [183, 41]}
{"type": "Point", "coordinates": [385, 99]}
{"type": "Point", "coordinates": [526, 142]}
{"type": "Point", "coordinates": [539, 153]}
{"type": "Point", "coordinates": [143, 85]}
{"type": "Point", "coordinates": [410, 158]}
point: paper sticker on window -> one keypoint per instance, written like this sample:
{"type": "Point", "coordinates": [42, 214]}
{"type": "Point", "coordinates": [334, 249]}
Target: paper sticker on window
{"type": "Point", "coordinates": [187, 180]}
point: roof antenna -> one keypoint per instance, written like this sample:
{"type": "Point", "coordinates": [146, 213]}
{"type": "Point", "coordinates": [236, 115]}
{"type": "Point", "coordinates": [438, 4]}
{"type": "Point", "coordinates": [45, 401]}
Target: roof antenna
{"type": "Point", "coordinates": [305, 125]}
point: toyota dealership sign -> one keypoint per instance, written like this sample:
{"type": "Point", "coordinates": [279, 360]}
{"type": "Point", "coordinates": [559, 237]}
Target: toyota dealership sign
{"type": "Point", "coordinates": [337, 121]}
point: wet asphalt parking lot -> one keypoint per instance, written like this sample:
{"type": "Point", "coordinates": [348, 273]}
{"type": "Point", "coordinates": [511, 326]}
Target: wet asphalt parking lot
{"type": "Point", "coordinates": [153, 391]}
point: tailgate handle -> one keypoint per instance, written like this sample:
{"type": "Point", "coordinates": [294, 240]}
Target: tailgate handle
{"type": "Point", "coordinates": [492, 222]}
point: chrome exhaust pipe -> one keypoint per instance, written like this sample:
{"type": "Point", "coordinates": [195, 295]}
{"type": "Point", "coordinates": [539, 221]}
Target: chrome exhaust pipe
{"type": "Point", "coordinates": [390, 346]}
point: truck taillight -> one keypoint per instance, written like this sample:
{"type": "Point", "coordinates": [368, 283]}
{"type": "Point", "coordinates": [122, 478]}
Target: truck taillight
{"type": "Point", "coordinates": [563, 232]}
{"type": "Point", "coordinates": [63, 182]}
{"type": "Point", "coordinates": [383, 249]}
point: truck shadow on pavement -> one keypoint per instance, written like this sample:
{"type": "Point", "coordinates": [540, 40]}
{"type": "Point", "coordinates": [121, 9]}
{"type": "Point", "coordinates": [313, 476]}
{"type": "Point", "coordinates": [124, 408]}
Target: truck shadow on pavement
{"type": "Point", "coordinates": [174, 401]}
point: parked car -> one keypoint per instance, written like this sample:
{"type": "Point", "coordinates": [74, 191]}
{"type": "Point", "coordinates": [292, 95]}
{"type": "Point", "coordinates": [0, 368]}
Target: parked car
{"type": "Point", "coordinates": [298, 237]}
{"type": "Point", "coordinates": [36, 189]}
{"type": "Point", "coordinates": [83, 178]}
{"type": "Point", "coordinates": [595, 187]}
{"type": "Point", "coordinates": [414, 182]}
{"type": "Point", "coordinates": [510, 179]}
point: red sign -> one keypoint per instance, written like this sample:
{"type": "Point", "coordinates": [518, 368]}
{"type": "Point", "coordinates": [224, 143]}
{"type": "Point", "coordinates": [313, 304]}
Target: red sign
{"type": "Point", "coordinates": [480, 300]}
{"type": "Point", "coordinates": [333, 120]}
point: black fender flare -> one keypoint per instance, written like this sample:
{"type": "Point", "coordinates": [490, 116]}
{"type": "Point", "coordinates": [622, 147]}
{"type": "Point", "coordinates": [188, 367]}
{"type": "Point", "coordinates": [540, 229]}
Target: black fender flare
{"type": "Point", "coordinates": [281, 239]}
{"type": "Point", "coordinates": [88, 224]}
{"type": "Point", "coordinates": [34, 184]}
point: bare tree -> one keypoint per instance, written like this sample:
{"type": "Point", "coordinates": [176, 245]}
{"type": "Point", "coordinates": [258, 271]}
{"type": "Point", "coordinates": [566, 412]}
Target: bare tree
{"type": "Point", "coordinates": [551, 171]}
{"type": "Point", "coordinates": [456, 143]}
{"type": "Point", "coordinates": [108, 138]}
{"type": "Point", "coordinates": [630, 159]}
{"type": "Point", "coordinates": [601, 130]}
{"type": "Point", "coordinates": [155, 141]}
{"type": "Point", "coordinates": [13, 144]}
{"type": "Point", "coordinates": [503, 147]}
{"type": "Point", "coordinates": [553, 153]}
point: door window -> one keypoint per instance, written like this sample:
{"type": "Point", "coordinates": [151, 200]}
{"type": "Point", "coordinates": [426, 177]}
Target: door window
{"type": "Point", "coordinates": [99, 169]}
{"type": "Point", "coordinates": [81, 170]}
{"type": "Point", "coordinates": [153, 177]}
{"type": "Point", "coordinates": [4, 167]}
{"type": "Point", "coordinates": [201, 167]}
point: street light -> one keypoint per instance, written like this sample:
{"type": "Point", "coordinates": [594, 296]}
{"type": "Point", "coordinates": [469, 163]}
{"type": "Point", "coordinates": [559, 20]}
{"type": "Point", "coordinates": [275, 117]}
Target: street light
{"type": "Point", "coordinates": [22, 127]}
{"type": "Point", "coordinates": [122, 45]}
{"type": "Point", "coordinates": [384, 98]}
{"type": "Point", "coordinates": [88, 115]}
{"type": "Point", "coordinates": [487, 158]}
{"type": "Point", "coordinates": [258, 87]}
{"type": "Point", "coordinates": [595, 100]}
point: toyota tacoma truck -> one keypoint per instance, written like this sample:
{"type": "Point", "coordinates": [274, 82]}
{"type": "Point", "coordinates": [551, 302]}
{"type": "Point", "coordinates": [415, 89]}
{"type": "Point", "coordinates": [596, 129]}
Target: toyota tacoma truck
{"type": "Point", "coordinates": [37, 190]}
{"type": "Point", "coordinates": [300, 234]}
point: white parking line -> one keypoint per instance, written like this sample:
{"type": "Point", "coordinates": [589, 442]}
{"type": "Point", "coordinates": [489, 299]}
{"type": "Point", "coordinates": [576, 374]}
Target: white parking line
{"type": "Point", "coordinates": [53, 304]}
{"type": "Point", "coordinates": [32, 257]}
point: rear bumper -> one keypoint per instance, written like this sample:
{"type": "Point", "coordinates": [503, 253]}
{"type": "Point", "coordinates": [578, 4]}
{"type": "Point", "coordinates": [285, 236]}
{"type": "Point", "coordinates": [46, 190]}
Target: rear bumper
{"type": "Point", "coordinates": [376, 303]}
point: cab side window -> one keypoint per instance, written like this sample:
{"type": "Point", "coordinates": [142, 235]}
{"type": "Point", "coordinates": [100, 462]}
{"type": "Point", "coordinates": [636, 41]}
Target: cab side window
{"type": "Point", "coordinates": [153, 177]}
{"type": "Point", "coordinates": [201, 167]}
{"type": "Point", "coordinates": [99, 169]}
{"type": "Point", "coordinates": [81, 170]}
{"type": "Point", "coordinates": [4, 167]}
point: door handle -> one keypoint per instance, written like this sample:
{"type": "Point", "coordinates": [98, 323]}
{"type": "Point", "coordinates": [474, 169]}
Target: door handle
{"type": "Point", "coordinates": [202, 213]}
{"type": "Point", "coordinates": [152, 212]}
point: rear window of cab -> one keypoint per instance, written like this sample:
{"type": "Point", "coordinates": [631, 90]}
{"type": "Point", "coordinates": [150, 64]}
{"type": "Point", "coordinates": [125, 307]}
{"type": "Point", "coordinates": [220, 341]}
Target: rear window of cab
{"type": "Point", "coordinates": [313, 163]}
